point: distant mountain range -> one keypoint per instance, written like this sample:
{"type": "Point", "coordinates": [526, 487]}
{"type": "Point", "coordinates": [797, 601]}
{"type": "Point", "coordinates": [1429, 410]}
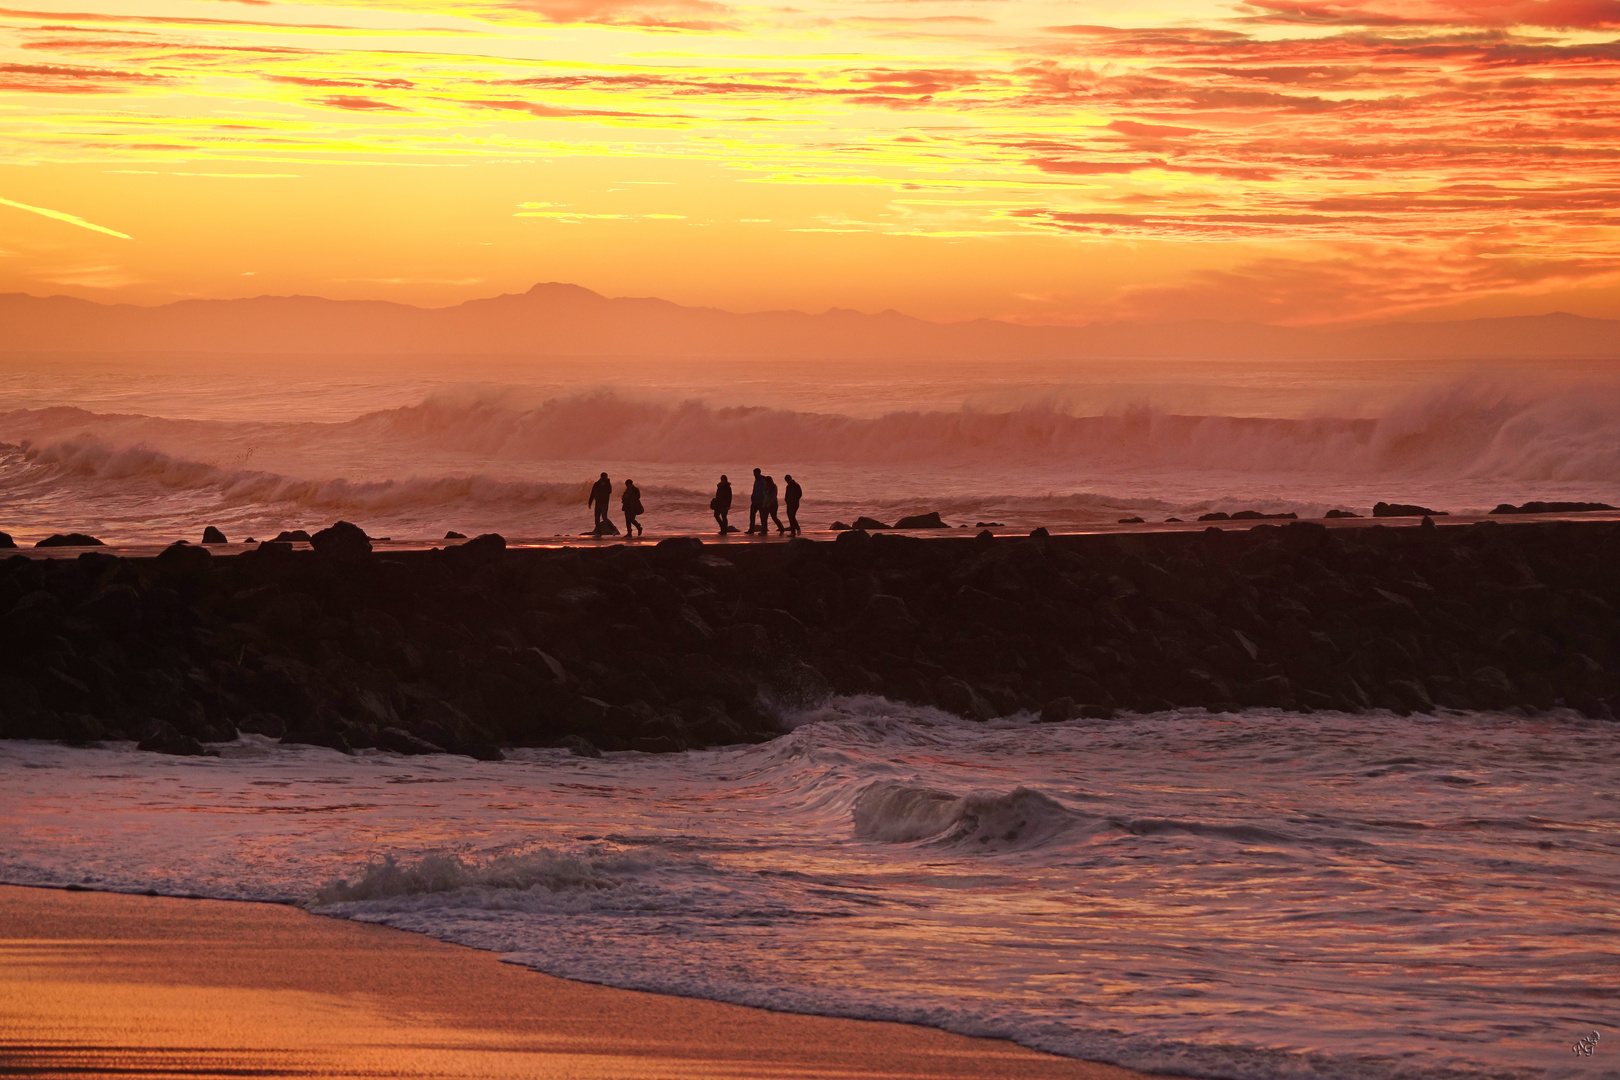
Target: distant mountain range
{"type": "Point", "coordinates": [555, 319]}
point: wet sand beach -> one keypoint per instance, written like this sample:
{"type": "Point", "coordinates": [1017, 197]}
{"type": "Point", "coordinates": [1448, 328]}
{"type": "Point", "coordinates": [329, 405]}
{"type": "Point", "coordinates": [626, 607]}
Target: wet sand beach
{"type": "Point", "coordinates": [99, 984]}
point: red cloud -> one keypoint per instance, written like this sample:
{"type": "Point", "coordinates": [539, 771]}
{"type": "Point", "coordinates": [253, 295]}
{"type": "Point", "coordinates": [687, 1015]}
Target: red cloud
{"type": "Point", "coordinates": [1584, 14]}
{"type": "Point", "coordinates": [358, 104]}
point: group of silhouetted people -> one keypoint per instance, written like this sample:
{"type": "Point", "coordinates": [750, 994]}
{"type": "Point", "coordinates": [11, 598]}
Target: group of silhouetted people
{"type": "Point", "coordinates": [762, 506]}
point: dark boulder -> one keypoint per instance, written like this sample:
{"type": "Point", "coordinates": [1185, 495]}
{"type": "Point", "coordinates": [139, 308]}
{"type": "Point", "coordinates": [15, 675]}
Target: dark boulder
{"type": "Point", "coordinates": [164, 738]}
{"type": "Point", "coordinates": [1340, 514]}
{"type": "Point", "coordinates": [1552, 508]}
{"type": "Point", "coordinates": [70, 540]}
{"type": "Point", "coordinates": [958, 697]}
{"type": "Point", "coordinates": [839, 526]}
{"type": "Point", "coordinates": [6, 541]}
{"type": "Point", "coordinates": [1131, 521]}
{"type": "Point", "coordinates": [1384, 509]}
{"type": "Point", "coordinates": [1255, 515]}
{"type": "Point", "coordinates": [453, 535]}
{"type": "Point", "coordinates": [1058, 710]}
{"type": "Point", "coordinates": [1039, 532]}
{"type": "Point", "coordinates": [479, 751]}
{"type": "Point", "coordinates": [401, 741]}
{"type": "Point", "coordinates": [579, 746]}
{"type": "Point", "coordinates": [267, 724]}
{"type": "Point", "coordinates": [870, 524]}
{"type": "Point", "coordinates": [182, 558]}
{"type": "Point", "coordinates": [479, 551]}
{"type": "Point", "coordinates": [921, 521]}
{"type": "Point", "coordinates": [330, 739]}
{"type": "Point", "coordinates": [212, 535]}
{"type": "Point", "coordinates": [290, 536]}
{"type": "Point", "coordinates": [344, 542]}
{"type": "Point", "coordinates": [1218, 515]}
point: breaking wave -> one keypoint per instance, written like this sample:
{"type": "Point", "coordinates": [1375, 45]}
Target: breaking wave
{"type": "Point", "coordinates": [1019, 820]}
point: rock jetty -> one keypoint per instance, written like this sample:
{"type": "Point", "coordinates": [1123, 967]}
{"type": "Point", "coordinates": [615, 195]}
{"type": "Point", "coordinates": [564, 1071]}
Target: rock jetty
{"type": "Point", "coordinates": [474, 647]}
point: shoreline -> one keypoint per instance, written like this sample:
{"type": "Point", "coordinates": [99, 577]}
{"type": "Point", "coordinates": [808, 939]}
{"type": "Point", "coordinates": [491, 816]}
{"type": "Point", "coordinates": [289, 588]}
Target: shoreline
{"type": "Point", "coordinates": [680, 643]}
{"type": "Point", "coordinates": [101, 983]}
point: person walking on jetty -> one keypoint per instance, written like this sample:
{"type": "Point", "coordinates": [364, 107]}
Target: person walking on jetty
{"type": "Point", "coordinates": [756, 503]}
{"type": "Point", "coordinates": [770, 509]}
{"type": "Point", "coordinates": [721, 505]}
{"type": "Point", "coordinates": [793, 493]}
{"type": "Point", "coordinates": [600, 501]}
{"type": "Point", "coordinates": [631, 501]}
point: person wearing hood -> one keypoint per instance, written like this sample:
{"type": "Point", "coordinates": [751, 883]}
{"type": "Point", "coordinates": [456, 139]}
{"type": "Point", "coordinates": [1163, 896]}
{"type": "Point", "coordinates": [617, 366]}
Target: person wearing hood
{"type": "Point", "coordinates": [721, 505]}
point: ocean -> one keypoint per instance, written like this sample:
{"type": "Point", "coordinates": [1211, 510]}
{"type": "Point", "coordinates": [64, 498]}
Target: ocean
{"type": "Point", "coordinates": [143, 449]}
{"type": "Point", "coordinates": [1251, 897]}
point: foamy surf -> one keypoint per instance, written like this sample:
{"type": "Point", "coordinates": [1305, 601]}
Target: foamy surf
{"type": "Point", "coordinates": [499, 461]}
{"type": "Point", "coordinates": [1252, 897]}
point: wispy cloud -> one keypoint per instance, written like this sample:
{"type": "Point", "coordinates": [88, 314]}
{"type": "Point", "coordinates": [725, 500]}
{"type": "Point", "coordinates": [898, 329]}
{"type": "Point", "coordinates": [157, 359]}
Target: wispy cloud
{"type": "Point", "coordinates": [71, 219]}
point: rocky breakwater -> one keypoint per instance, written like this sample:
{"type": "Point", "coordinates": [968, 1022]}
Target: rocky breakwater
{"type": "Point", "coordinates": [474, 647]}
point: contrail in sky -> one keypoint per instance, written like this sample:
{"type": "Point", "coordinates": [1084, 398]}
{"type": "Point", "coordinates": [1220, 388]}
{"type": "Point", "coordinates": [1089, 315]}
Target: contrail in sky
{"type": "Point", "coordinates": [69, 218]}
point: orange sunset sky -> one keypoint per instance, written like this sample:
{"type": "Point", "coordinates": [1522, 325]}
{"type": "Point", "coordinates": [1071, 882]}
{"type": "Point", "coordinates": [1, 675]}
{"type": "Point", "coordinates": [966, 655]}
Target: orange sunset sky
{"type": "Point", "coordinates": [1301, 161]}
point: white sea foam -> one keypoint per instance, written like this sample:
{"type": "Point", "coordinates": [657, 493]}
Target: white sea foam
{"type": "Point", "coordinates": [1251, 897]}
{"type": "Point", "coordinates": [501, 460]}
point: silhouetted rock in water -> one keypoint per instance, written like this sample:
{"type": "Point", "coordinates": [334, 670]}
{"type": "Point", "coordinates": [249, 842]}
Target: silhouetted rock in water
{"type": "Point", "coordinates": [1171, 520]}
{"type": "Point", "coordinates": [343, 542]}
{"type": "Point", "coordinates": [212, 535]}
{"type": "Point", "coordinates": [290, 536]}
{"type": "Point", "coordinates": [1131, 521]}
{"type": "Point", "coordinates": [871, 524]}
{"type": "Point", "coordinates": [1039, 532]}
{"type": "Point", "coordinates": [69, 540]}
{"type": "Point", "coordinates": [1552, 508]}
{"type": "Point", "coordinates": [263, 723]}
{"type": "Point", "coordinates": [579, 746]}
{"type": "Point", "coordinates": [163, 738]}
{"type": "Point", "coordinates": [1340, 514]}
{"type": "Point", "coordinates": [275, 546]}
{"type": "Point", "coordinates": [1247, 515]}
{"type": "Point", "coordinates": [985, 537]}
{"type": "Point", "coordinates": [1059, 709]}
{"type": "Point", "coordinates": [332, 740]}
{"type": "Point", "coordinates": [453, 535]}
{"type": "Point", "coordinates": [6, 541]}
{"type": "Point", "coordinates": [929, 520]}
{"type": "Point", "coordinates": [604, 528]}
{"type": "Point", "coordinates": [401, 741]}
{"type": "Point", "coordinates": [839, 526]}
{"type": "Point", "coordinates": [1405, 510]}
{"type": "Point", "coordinates": [989, 525]}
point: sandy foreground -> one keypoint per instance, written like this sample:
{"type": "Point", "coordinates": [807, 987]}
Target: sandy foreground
{"type": "Point", "coordinates": [98, 984]}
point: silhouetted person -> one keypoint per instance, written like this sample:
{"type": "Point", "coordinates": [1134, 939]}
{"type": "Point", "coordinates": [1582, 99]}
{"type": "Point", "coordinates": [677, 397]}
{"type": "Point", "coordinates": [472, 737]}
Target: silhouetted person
{"type": "Point", "coordinates": [792, 494]}
{"type": "Point", "coordinates": [756, 503]}
{"type": "Point", "coordinates": [601, 499]}
{"type": "Point", "coordinates": [721, 504]}
{"type": "Point", "coordinates": [769, 508]}
{"type": "Point", "coordinates": [631, 501]}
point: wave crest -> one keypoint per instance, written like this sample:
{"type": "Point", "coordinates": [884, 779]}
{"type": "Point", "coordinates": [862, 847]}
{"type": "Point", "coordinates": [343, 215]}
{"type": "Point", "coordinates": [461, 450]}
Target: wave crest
{"type": "Point", "coordinates": [1021, 819]}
